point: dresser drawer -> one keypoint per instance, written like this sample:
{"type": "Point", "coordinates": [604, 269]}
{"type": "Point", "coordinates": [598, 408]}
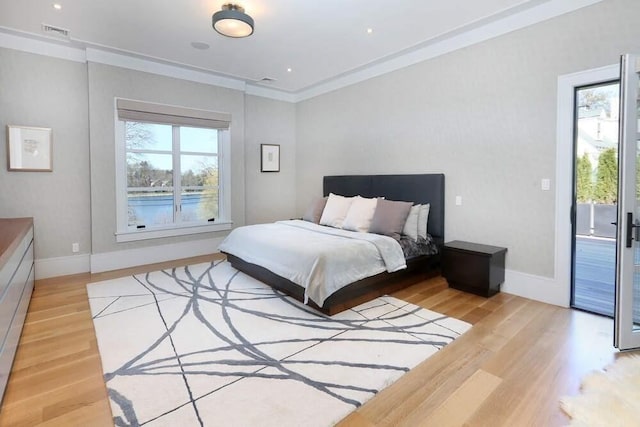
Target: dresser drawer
{"type": "Point", "coordinates": [10, 345]}
{"type": "Point", "coordinates": [7, 272]}
{"type": "Point", "coordinates": [16, 284]}
{"type": "Point", "coordinates": [10, 299]}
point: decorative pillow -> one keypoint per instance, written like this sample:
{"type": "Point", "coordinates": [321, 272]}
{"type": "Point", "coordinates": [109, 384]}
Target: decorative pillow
{"type": "Point", "coordinates": [335, 210]}
{"type": "Point", "coordinates": [423, 218]}
{"type": "Point", "coordinates": [315, 209]}
{"type": "Point", "coordinates": [390, 217]}
{"type": "Point", "coordinates": [360, 214]}
{"type": "Point", "coordinates": [411, 224]}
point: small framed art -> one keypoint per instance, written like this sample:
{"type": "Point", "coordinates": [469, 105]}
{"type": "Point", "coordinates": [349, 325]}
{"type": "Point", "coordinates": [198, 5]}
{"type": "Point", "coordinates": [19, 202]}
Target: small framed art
{"type": "Point", "coordinates": [29, 149]}
{"type": "Point", "coordinates": [270, 158]}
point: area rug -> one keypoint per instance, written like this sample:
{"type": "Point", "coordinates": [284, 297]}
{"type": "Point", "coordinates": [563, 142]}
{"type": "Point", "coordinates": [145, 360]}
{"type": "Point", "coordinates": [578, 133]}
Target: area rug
{"type": "Point", "coordinates": [206, 345]}
{"type": "Point", "coordinates": [608, 398]}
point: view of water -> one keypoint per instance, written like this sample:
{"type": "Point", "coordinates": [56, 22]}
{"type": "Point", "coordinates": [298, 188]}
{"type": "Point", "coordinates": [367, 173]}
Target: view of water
{"type": "Point", "coordinates": [158, 209]}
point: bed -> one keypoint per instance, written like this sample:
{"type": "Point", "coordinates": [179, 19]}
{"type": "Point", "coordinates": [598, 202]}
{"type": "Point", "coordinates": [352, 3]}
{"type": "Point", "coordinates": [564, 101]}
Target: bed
{"type": "Point", "coordinates": [418, 189]}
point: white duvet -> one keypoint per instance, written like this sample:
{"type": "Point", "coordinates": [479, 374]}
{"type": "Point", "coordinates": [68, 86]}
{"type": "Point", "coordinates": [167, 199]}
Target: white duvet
{"type": "Point", "coordinates": [320, 259]}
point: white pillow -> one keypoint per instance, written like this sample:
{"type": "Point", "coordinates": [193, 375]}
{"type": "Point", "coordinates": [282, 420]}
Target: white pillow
{"type": "Point", "coordinates": [411, 224]}
{"type": "Point", "coordinates": [423, 218]}
{"type": "Point", "coordinates": [360, 214]}
{"type": "Point", "coordinates": [335, 210]}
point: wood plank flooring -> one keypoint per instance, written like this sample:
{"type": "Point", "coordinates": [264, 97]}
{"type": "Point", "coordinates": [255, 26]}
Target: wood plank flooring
{"type": "Point", "coordinates": [510, 369]}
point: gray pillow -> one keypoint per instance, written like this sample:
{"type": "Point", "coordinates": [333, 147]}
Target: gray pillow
{"type": "Point", "coordinates": [390, 217]}
{"type": "Point", "coordinates": [314, 211]}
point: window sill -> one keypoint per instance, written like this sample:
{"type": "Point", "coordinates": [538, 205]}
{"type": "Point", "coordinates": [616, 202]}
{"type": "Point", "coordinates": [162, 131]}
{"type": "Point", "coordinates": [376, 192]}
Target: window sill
{"type": "Point", "coordinates": [158, 233]}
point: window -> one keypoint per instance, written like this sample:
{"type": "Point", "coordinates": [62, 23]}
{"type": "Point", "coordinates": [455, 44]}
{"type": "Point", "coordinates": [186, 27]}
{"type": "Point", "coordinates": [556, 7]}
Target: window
{"type": "Point", "coordinates": [171, 175]}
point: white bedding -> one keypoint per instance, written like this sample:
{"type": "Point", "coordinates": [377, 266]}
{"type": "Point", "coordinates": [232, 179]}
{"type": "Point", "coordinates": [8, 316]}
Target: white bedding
{"type": "Point", "coordinates": [320, 259]}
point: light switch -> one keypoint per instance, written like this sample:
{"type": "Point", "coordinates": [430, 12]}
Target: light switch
{"type": "Point", "coordinates": [545, 184]}
{"type": "Point", "coordinates": [458, 200]}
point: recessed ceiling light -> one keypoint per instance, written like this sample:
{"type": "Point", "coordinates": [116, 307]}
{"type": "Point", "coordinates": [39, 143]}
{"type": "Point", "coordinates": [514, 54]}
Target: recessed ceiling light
{"type": "Point", "coordinates": [200, 45]}
{"type": "Point", "coordinates": [369, 30]}
{"type": "Point", "coordinates": [289, 70]}
{"type": "Point", "coordinates": [57, 6]}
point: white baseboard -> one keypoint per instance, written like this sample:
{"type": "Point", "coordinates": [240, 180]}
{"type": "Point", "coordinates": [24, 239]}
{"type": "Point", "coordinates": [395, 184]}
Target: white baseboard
{"type": "Point", "coordinates": [62, 266]}
{"type": "Point", "coordinates": [544, 289]}
{"type": "Point", "coordinates": [134, 257]}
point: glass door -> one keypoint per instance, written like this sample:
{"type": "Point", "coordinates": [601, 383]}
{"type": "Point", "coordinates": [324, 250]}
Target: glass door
{"type": "Point", "coordinates": [596, 131]}
{"type": "Point", "coordinates": [627, 310]}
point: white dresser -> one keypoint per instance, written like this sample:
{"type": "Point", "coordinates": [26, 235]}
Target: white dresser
{"type": "Point", "coordinates": [16, 285]}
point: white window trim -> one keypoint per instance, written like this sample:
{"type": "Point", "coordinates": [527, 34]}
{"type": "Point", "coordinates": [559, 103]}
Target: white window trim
{"type": "Point", "coordinates": [125, 234]}
{"type": "Point", "coordinates": [175, 230]}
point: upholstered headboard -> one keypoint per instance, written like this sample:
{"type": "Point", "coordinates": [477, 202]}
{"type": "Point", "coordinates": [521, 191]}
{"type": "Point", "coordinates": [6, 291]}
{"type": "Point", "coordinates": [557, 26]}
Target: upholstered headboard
{"type": "Point", "coordinates": [424, 188]}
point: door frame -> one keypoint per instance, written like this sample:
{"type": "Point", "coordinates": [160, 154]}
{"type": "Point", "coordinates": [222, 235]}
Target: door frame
{"type": "Point", "coordinates": [565, 168]}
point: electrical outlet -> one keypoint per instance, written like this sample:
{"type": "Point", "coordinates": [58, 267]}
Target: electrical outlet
{"type": "Point", "coordinates": [458, 200]}
{"type": "Point", "coordinates": [545, 184]}
{"type": "Point", "coordinates": [75, 247]}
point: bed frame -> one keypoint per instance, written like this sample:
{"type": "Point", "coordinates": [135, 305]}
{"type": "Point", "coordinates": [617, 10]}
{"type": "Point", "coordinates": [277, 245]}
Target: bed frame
{"type": "Point", "coordinates": [424, 188]}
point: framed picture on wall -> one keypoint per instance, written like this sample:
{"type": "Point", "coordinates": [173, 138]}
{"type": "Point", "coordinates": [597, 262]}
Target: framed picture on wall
{"type": "Point", "coordinates": [29, 149]}
{"type": "Point", "coordinates": [270, 158]}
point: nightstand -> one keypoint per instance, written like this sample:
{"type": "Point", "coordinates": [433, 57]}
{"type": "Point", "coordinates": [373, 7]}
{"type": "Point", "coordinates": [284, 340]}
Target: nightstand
{"type": "Point", "coordinates": [472, 267]}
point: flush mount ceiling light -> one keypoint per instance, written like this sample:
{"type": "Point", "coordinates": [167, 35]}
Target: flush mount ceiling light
{"type": "Point", "coordinates": [231, 21]}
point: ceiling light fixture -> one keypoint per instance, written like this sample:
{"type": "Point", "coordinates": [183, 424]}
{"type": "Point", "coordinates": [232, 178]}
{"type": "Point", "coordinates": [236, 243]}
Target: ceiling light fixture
{"type": "Point", "coordinates": [231, 21]}
{"type": "Point", "coordinates": [57, 6]}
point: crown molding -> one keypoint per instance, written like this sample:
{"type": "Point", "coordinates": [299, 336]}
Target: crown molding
{"type": "Point", "coordinates": [131, 62]}
{"type": "Point", "coordinates": [41, 46]}
{"type": "Point", "coordinates": [478, 32]}
{"type": "Point", "coordinates": [448, 43]}
{"type": "Point", "coordinates": [267, 92]}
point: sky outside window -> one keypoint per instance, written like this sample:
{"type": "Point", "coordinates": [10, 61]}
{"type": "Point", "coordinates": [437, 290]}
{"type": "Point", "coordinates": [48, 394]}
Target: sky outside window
{"type": "Point", "coordinates": [150, 136]}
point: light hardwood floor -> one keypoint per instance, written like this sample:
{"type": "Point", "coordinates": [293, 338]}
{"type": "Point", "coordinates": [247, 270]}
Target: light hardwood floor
{"type": "Point", "coordinates": [510, 369]}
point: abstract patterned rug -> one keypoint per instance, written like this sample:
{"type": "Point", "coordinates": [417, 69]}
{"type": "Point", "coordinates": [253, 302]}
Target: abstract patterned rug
{"type": "Point", "coordinates": [206, 345]}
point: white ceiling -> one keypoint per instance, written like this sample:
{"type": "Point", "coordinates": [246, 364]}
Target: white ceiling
{"type": "Point", "coordinates": [319, 40]}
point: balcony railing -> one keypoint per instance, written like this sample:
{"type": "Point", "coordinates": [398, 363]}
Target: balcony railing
{"type": "Point", "coordinates": [594, 219]}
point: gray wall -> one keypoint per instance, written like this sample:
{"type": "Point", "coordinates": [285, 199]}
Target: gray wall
{"type": "Point", "coordinates": [270, 196]}
{"type": "Point", "coordinates": [484, 115]}
{"type": "Point", "coordinates": [76, 202]}
{"type": "Point", "coordinates": [46, 92]}
{"type": "Point", "coordinates": [106, 83]}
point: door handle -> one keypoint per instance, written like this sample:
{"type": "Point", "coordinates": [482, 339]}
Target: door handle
{"type": "Point", "coordinates": [630, 230]}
